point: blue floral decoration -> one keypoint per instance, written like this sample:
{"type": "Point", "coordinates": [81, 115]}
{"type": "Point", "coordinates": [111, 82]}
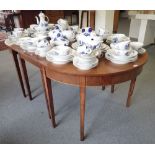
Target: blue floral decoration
{"type": "Point", "coordinates": [83, 30]}
{"type": "Point", "coordinates": [90, 29]}
{"type": "Point", "coordinates": [115, 40]}
{"type": "Point", "coordinates": [58, 35]}
{"type": "Point", "coordinates": [127, 46]}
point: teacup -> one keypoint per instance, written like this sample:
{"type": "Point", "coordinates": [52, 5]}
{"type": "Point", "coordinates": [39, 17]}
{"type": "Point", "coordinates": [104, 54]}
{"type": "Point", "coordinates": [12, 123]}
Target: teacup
{"type": "Point", "coordinates": [42, 43]}
{"type": "Point", "coordinates": [54, 34]}
{"type": "Point", "coordinates": [69, 35]}
{"type": "Point", "coordinates": [74, 28]}
{"type": "Point", "coordinates": [18, 34]}
{"type": "Point", "coordinates": [33, 26]}
{"type": "Point", "coordinates": [60, 41]}
{"type": "Point", "coordinates": [136, 45]}
{"type": "Point", "coordinates": [103, 33]}
{"type": "Point", "coordinates": [44, 48]}
{"type": "Point", "coordinates": [116, 38]}
{"type": "Point", "coordinates": [83, 50]}
{"type": "Point", "coordinates": [18, 29]}
{"type": "Point", "coordinates": [125, 45]}
{"type": "Point", "coordinates": [63, 23]}
{"type": "Point", "coordinates": [62, 50]}
{"type": "Point", "coordinates": [122, 53]}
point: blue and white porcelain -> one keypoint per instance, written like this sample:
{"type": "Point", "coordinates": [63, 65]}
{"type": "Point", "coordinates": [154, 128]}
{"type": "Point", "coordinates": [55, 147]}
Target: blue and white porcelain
{"type": "Point", "coordinates": [69, 34]}
{"type": "Point", "coordinates": [63, 24]}
{"type": "Point", "coordinates": [92, 41]}
{"type": "Point", "coordinates": [74, 28]}
{"type": "Point", "coordinates": [86, 31]}
{"type": "Point", "coordinates": [121, 59]}
{"type": "Point", "coordinates": [42, 22]}
{"type": "Point", "coordinates": [136, 45]}
{"type": "Point", "coordinates": [103, 33]}
{"type": "Point", "coordinates": [55, 34]}
{"type": "Point", "coordinates": [84, 63]}
{"type": "Point", "coordinates": [116, 38]}
{"type": "Point", "coordinates": [60, 54]}
{"type": "Point", "coordinates": [124, 45]}
{"type": "Point", "coordinates": [60, 41]}
{"type": "Point", "coordinates": [84, 51]}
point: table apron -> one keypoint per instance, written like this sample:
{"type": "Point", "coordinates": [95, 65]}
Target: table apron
{"type": "Point", "coordinates": [31, 60]}
{"type": "Point", "coordinates": [94, 80]}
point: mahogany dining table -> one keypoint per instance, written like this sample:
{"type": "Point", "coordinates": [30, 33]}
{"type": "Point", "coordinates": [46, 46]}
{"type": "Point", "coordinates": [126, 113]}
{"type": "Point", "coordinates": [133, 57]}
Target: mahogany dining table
{"type": "Point", "coordinates": [106, 73]}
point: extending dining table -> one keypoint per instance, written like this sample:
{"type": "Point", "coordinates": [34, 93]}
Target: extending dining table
{"type": "Point", "coordinates": [106, 73]}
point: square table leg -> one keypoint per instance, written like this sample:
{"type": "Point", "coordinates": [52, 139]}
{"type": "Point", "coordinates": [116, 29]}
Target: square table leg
{"type": "Point", "coordinates": [49, 97]}
{"type": "Point", "coordinates": [15, 58]}
{"type": "Point", "coordinates": [103, 87]}
{"type": "Point", "coordinates": [25, 75]}
{"type": "Point", "coordinates": [82, 106]}
{"type": "Point", "coordinates": [112, 88]}
{"type": "Point", "coordinates": [131, 88]}
{"type": "Point", "coordinates": [42, 71]}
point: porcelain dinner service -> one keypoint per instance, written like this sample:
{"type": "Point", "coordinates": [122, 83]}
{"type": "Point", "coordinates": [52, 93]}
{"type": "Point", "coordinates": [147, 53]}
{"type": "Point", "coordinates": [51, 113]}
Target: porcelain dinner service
{"type": "Point", "coordinates": [60, 54]}
{"type": "Point", "coordinates": [121, 53]}
{"type": "Point", "coordinates": [42, 22]}
{"type": "Point", "coordinates": [61, 43]}
{"type": "Point", "coordinates": [102, 33]}
{"type": "Point", "coordinates": [116, 38]}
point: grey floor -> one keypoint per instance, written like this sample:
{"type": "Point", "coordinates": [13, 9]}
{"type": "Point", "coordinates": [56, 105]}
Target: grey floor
{"type": "Point", "coordinates": [107, 118]}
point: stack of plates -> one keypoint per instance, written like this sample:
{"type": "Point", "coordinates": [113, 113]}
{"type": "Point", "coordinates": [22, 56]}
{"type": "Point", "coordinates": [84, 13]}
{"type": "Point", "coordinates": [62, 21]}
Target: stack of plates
{"type": "Point", "coordinates": [121, 59]}
{"type": "Point", "coordinates": [55, 57]}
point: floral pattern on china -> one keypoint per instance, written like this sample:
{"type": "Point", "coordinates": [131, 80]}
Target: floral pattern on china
{"type": "Point", "coordinates": [42, 22]}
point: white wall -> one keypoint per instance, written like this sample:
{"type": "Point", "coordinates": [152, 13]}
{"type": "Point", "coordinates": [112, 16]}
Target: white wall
{"type": "Point", "coordinates": [104, 19]}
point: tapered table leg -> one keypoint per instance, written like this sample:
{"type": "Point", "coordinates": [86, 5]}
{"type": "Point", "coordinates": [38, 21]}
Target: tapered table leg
{"type": "Point", "coordinates": [82, 108]}
{"type": "Point", "coordinates": [15, 58]}
{"type": "Point", "coordinates": [23, 65]}
{"type": "Point", "coordinates": [112, 88]}
{"type": "Point", "coordinates": [103, 87]}
{"type": "Point", "coordinates": [42, 71]}
{"type": "Point", "coordinates": [132, 85]}
{"type": "Point", "coordinates": [49, 96]}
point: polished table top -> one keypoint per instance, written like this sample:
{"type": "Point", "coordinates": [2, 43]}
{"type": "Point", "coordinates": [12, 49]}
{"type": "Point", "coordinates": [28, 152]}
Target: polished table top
{"type": "Point", "coordinates": [105, 67]}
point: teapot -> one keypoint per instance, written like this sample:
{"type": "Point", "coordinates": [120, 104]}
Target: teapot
{"type": "Point", "coordinates": [92, 41]}
{"type": "Point", "coordinates": [42, 22]}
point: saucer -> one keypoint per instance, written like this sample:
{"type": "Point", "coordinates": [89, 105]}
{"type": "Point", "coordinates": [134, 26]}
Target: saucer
{"type": "Point", "coordinates": [84, 66]}
{"type": "Point", "coordinates": [114, 58]}
{"type": "Point", "coordinates": [141, 51]}
{"type": "Point", "coordinates": [53, 56]}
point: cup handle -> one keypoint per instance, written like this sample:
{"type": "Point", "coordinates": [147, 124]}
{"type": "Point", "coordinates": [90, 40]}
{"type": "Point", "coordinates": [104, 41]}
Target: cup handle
{"type": "Point", "coordinates": [47, 18]}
